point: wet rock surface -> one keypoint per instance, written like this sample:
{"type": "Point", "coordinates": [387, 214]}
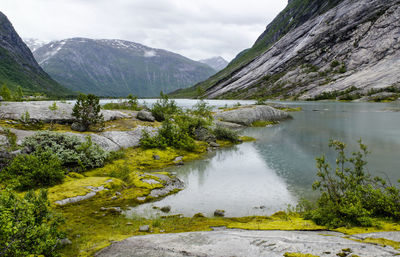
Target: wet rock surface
{"type": "Point", "coordinates": [249, 114]}
{"type": "Point", "coordinates": [244, 243]}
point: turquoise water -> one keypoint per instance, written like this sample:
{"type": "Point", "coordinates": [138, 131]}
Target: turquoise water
{"type": "Point", "coordinates": [265, 176]}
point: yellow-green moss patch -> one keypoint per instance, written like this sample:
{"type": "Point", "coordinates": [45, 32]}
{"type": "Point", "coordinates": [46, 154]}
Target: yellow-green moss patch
{"type": "Point", "coordinates": [299, 255]}
{"type": "Point", "coordinates": [78, 187]}
{"type": "Point", "coordinates": [261, 123]}
{"type": "Point", "coordinates": [380, 226]}
{"type": "Point", "coordinates": [379, 241]}
{"type": "Point", "coordinates": [278, 221]}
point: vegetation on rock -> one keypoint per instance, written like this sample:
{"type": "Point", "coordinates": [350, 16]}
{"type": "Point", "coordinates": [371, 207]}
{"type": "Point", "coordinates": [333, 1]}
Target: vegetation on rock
{"type": "Point", "coordinates": [87, 111]}
{"type": "Point", "coordinates": [72, 152]}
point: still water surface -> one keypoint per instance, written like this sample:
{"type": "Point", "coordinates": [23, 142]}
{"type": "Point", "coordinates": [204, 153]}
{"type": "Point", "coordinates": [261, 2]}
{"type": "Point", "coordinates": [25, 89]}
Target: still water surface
{"type": "Point", "coordinates": [265, 176]}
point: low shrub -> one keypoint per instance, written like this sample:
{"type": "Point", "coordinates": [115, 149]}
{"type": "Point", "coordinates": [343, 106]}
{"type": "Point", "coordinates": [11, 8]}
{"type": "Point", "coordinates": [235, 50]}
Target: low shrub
{"type": "Point", "coordinates": [33, 171]}
{"type": "Point", "coordinates": [349, 195]}
{"type": "Point", "coordinates": [27, 225]}
{"type": "Point", "coordinates": [164, 108]}
{"type": "Point", "coordinates": [68, 148]}
{"type": "Point", "coordinates": [202, 109]}
{"type": "Point", "coordinates": [169, 134]}
{"type": "Point", "coordinates": [222, 133]}
{"type": "Point", "coordinates": [132, 104]}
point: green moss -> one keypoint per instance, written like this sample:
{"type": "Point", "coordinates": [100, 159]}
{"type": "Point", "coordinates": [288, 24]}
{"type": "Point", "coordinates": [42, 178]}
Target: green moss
{"type": "Point", "coordinates": [289, 109]}
{"type": "Point", "coordinates": [382, 242]}
{"type": "Point", "coordinates": [78, 186]}
{"type": "Point", "coordinates": [278, 221]}
{"type": "Point", "coordinates": [299, 255]}
{"type": "Point", "coordinates": [261, 123]}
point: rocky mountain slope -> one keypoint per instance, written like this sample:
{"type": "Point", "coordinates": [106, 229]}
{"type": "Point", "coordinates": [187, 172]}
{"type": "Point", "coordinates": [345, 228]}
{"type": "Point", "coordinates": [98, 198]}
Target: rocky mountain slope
{"type": "Point", "coordinates": [217, 63]}
{"type": "Point", "coordinates": [347, 52]}
{"type": "Point", "coordinates": [118, 67]}
{"type": "Point", "coordinates": [18, 66]}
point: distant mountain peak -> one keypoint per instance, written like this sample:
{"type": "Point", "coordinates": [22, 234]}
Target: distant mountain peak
{"type": "Point", "coordinates": [115, 67]}
{"type": "Point", "coordinates": [217, 62]}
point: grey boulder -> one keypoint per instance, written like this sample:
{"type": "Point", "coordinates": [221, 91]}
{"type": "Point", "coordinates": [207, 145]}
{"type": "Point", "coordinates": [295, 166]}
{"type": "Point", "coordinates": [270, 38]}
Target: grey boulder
{"type": "Point", "coordinates": [145, 116]}
{"type": "Point", "coordinates": [249, 114]}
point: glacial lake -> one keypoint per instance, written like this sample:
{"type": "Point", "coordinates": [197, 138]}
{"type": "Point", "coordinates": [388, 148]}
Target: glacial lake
{"type": "Point", "coordinates": [265, 176]}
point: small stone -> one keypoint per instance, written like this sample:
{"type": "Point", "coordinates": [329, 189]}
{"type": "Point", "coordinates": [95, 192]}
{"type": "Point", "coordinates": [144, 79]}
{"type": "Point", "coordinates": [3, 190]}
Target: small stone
{"type": "Point", "coordinates": [179, 163]}
{"type": "Point", "coordinates": [213, 144]}
{"type": "Point", "coordinates": [117, 193]}
{"type": "Point", "coordinates": [129, 223]}
{"type": "Point", "coordinates": [141, 198]}
{"type": "Point", "coordinates": [198, 215]}
{"type": "Point", "coordinates": [114, 198]}
{"type": "Point", "coordinates": [111, 209]}
{"type": "Point", "coordinates": [162, 231]}
{"type": "Point", "coordinates": [219, 213]}
{"type": "Point", "coordinates": [144, 228]}
{"type": "Point", "coordinates": [166, 209]}
{"type": "Point", "coordinates": [156, 157]}
{"type": "Point", "coordinates": [209, 149]}
{"type": "Point", "coordinates": [78, 127]}
{"type": "Point", "coordinates": [179, 158]}
{"type": "Point", "coordinates": [78, 236]}
{"type": "Point", "coordinates": [65, 241]}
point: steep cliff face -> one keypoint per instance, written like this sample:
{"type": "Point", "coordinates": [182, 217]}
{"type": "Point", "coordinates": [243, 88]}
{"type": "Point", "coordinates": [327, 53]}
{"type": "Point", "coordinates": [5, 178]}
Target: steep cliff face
{"type": "Point", "coordinates": [349, 51]}
{"type": "Point", "coordinates": [18, 66]}
{"type": "Point", "coordinates": [118, 67]}
{"type": "Point", "coordinates": [296, 13]}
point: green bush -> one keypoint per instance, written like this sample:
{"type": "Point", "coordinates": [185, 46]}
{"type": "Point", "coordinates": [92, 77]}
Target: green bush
{"type": "Point", "coordinates": [349, 195]}
{"type": "Point", "coordinates": [27, 225]}
{"type": "Point", "coordinates": [69, 149]}
{"type": "Point", "coordinates": [33, 171]}
{"type": "Point", "coordinates": [202, 109]}
{"type": "Point", "coordinates": [169, 134]}
{"type": "Point", "coordinates": [87, 111]}
{"type": "Point", "coordinates": [226, 134]}
{"type": "Point", "coordinates": [164, 108]}
{"type": "Point", "coordinates": [131, 104]}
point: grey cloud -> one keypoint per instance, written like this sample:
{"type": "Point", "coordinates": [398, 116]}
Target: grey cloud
{"type": "Point", "coordinates": [196, 29]}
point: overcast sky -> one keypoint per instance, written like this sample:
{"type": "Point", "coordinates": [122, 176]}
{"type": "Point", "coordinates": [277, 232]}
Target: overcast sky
{"type": "Point", "coordinates": [194, 28]}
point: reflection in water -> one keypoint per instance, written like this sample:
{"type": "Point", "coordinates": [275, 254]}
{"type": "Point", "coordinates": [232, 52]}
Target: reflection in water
{"type": "Point", "coordinates": [237, 180]}
{"type": "Point", "coordinates": [280, 166]}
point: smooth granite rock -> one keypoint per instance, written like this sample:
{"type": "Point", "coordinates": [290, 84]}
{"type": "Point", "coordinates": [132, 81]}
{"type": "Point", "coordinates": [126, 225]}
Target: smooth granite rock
{"type": "Point", "coordinates": [243, 243]}
{"type": "Point", "coordinates": [249, 114]}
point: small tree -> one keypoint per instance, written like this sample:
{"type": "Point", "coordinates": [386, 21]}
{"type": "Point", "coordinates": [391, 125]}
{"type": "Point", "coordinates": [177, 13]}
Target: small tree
{"type": "Point", "coordinates": [87, 111]}
{"type": "Point", "coordinates": [5, 93]}
{"type": "Point", "coordinates": [20, 94]}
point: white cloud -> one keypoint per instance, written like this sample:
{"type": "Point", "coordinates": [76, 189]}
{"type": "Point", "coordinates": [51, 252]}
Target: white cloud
{"type": "Point", "coordinates": [193, 28]}
{"type": "Point", "coordinates": [150, 53]}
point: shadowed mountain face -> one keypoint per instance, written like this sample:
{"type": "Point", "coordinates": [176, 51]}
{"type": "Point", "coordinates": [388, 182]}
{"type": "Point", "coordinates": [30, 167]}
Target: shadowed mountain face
{"type": "Point", "coordinates": [316, 50]}
{"type": "Point", "coordinates": [18, 67]}
{"type": "Point", "coordinates": [118, 67]}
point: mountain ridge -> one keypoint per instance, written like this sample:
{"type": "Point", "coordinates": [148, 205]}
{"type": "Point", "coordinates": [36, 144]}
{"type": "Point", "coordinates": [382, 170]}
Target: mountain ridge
{"type": "Point", "coordinates": [113, 67]}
